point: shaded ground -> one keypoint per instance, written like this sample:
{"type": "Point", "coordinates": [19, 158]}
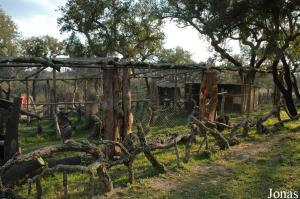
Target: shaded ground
{"type": "Point", "coordinates": [245, 171]}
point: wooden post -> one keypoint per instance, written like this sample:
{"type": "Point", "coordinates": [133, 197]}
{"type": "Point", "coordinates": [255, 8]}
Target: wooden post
{"type": "Point", "coordinates": [65, 183]}
{"type": "Point", "coordinates": [91, 109]}
{"type": "Point", "coordinates": [208, 95]}
{"type": "Point", "coordinates": [126, 95]}
{"type": "Point", "coordinates": [116, 81]}
{"type": "Point", "coordinates": [54, 92]}
{"type": "Point", "coordinates": [49, 98]}
{"type": "Point", "coordinates": [175, 91]}
{"type": "Point", "coordinates": [110, 108]}
{"type": "Point", "coordinates": [11, 143]}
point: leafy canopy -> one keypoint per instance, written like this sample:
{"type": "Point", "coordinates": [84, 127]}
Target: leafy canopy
{"type": "Point", "coordinates": [113, 27]}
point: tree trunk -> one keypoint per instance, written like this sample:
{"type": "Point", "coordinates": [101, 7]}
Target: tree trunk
{"type": "Point", "coordinates": [295, 85]}
{"type": "Point", "coordinates": [287, 93]}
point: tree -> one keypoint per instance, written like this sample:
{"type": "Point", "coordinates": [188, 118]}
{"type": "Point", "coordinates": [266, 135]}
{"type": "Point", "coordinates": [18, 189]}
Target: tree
{"type": "Point", "coordinates": [113, 27]}
{"type": "Point", "coordinates": [175, 55]}
{"type": "Point", "coordinates": [8, 35]}
{"type": "Point", "coordinates": [265, 28]}
{"type": "Point", "coordinates": [45, 46]}
{"type": "Point", "coordinates": [220, 22]}
{"type": "Point", "coordinates": [110, 28]}
{"type": "Point", "coordinates": [8, 46]}
{"type": "Point", "coordinates": [74, 47]}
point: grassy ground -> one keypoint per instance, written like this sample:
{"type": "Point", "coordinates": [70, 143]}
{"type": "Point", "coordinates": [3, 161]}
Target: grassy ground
{"type": "Point", "coordinates": [245, 171]}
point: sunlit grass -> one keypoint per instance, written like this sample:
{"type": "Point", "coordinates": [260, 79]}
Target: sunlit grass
{"type": "Point", "coordinates": [245, 180]}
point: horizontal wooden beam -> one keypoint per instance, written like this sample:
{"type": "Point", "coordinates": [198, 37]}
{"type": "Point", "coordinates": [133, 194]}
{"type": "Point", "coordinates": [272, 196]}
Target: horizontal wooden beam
{"type": "Point", "coordinates": [112, 62]}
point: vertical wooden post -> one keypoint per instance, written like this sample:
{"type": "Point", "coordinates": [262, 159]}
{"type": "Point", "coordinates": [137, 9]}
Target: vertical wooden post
{"type": "Point", "coordinates": [8, 90]}
{"type": "Point", "coordinates": [126, 95]}
{"type": "Point", "coordinates": [11, 143]}
{"type": "Point", "coordinates": [116, 81]}
{"type": "Point", "coordinates": [91, 109]}
{"type": "Point", "coordinates": [65, 183]}
{"type": "Point", "coordinates": [49, 98]}
{"type": "Point", "coordinates": [54, 92]}
{"type": "Point", "coordinates": [74, 93]}
{"type": "Point", "coordinates": [85, 90]}
{"type": "Point", "coordinates": [208, 95]}
{"type": "Point", "coordinates": [175, 91]}
{"type": "Point", "coordinates": [110, 108]}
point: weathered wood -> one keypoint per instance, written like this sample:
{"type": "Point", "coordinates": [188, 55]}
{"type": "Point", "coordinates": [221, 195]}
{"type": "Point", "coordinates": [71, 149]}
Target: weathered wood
{"type": "Point", "coordinates": [69, 145]}
{"type": "Point", "coordinates": [147, 151]}
{"type": "Point", "coordinates": [39, 189]}
{"type": "Point", "coordinates": [188, 146]}
{"type": "Point", "coordinates": [126, 100]}
{"type": "Point", "coordinates": [208, 96]}
{"type": "Point", "coordinates": [65, 183]}
{"type": "Point", "coordinates": [74, 93]}
{"type": "Point", "coordinates": [90, 109]}
{"type": "Point", "coordinates": [118, 113]}
{"type": "Point", "coordinates": [37, 60]}
{"type": "Point", "coordinates": [221, 140]}
{"type": "Point", "coordinates": [11, 143]}
{"type": "Point", "coordinates": [20, 172]}
{"type": "Point", "coordinates": [108, 106]}
{"type": "Point", "coordinates": [177, 154]}
{"type": "Point", "coordinates": [105, 177]}
{"type": "Point", "coordinates": [129, 165]}
{"type": "Point", "coordinates": [75, 160]}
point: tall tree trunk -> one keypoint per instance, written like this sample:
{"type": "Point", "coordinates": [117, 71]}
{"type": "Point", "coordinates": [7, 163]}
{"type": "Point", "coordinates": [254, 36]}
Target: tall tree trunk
{"type": "Point", "coordinates": [287, 93]}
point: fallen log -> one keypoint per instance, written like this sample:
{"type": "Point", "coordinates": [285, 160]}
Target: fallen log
{"type": "Point", "coordinates": [20, 172]}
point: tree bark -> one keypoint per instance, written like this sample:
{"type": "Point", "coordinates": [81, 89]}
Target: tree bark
{"type": "Point", "coordinates": [208, 96]}
{"type": "Point", "coordinates": [295, 86]}
{"type": "Point", "coordinates": [287, 93]}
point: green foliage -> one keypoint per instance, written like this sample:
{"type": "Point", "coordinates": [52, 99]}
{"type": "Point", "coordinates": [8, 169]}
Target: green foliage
{"type": "Point", "coordinates": [45, 46]}
{"type": "Point", "coordinates": [8, 35]}
{"type": "Point", "coordinates": [176, 55]}
{"type": "Point", "coordinates": [113, 27]}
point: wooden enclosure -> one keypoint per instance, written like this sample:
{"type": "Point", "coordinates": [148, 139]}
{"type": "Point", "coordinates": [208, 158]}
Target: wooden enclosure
{"type": "Point", "coordinates": [168, 92]}
{"type": "Point", "coordinates": [236, 99]}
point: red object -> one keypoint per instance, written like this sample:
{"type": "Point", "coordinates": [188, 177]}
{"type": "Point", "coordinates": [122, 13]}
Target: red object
{"type": "Point", "coordinates": [24, 101]}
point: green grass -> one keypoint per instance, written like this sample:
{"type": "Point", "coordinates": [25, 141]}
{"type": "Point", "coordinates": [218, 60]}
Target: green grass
{"type": "Point", "coordinates": [277, 167]}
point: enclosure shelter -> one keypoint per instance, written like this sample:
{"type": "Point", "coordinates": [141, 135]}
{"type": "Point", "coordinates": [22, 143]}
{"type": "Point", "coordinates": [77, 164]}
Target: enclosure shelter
{"type": "Point", "coordinates": [167, 92]}
{"type": "Point", "coordinates": [236, 96]}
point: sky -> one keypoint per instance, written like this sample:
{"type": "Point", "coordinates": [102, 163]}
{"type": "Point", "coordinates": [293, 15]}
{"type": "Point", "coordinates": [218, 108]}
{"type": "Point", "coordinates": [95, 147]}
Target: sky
{"type": "Point", "coordinates": [39, 17]}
